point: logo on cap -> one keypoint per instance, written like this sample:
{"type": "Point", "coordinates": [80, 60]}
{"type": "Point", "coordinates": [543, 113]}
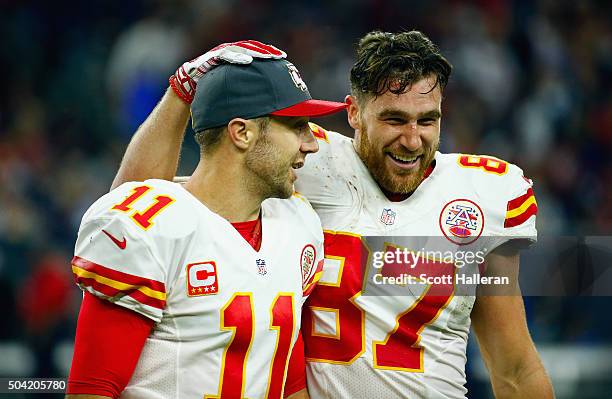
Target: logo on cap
{"type": "Point", "coordinates": [296, 77]}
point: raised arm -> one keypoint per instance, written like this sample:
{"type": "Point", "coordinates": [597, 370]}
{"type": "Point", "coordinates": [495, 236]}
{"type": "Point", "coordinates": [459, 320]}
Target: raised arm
{"type": "Point", "coordinates": [501, 328]}
{"type": "Point", "coordinates": [154, 149]}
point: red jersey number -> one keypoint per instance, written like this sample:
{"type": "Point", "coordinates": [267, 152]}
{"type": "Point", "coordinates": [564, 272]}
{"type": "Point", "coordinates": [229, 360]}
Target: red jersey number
{"type": "Point", "coordinates": [400, 350]}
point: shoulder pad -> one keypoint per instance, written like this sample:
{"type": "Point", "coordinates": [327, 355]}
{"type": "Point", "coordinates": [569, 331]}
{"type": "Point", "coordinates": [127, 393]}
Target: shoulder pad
{"type": "Point", "coordinates": [154, 206]}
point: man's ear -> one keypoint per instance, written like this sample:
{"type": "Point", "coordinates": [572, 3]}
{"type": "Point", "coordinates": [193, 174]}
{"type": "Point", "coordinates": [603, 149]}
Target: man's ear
{"type": "Point", "coordinates": [353, 112]}
{"type": "Point", "coordinates": [242, 132]}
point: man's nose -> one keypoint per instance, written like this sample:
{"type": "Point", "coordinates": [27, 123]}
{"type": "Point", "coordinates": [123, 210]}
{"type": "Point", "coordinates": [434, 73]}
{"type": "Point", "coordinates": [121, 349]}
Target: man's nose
{"type": "Point", "coordinates": [410, 137]}
{"type": "Point", "coordinates": [309, 143]}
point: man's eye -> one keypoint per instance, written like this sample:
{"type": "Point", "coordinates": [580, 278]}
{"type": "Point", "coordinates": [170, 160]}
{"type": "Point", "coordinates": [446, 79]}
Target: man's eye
{"type": "Point", "coordinates": [303, 129]}
{"type": "Point", "coordinates": [395, 121]}
{"type": "Point", "coordinates": [427, 121]}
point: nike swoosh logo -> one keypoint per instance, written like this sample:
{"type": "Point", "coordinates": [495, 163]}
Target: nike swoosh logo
{"type": "Point", "coordinates": [121, 244]}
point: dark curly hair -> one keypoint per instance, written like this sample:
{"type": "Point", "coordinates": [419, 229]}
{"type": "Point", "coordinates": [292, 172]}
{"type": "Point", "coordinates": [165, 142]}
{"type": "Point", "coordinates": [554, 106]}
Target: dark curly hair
{"type": "Point", "coordinates": [394, 61]}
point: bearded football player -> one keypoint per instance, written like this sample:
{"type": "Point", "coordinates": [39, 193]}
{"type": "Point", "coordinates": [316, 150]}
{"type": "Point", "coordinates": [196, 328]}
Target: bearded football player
{"type": "Point", "coordinates": [390, 180]}
{"type": "Point", "coordinates": [193, 292]}
{"type": "Point", "coordinates": [413, 346]}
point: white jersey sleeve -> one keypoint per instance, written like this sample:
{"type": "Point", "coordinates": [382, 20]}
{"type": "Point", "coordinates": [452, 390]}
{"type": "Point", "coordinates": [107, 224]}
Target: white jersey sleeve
{"type": "Point", "coordinates": [506, 196]}
{"type": "Point", "coordinates": [124, 245]}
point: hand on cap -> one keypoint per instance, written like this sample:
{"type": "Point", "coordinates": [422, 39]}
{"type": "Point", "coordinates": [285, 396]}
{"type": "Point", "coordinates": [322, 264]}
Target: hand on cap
{"type": "Point", "coordinates": [185, 79]}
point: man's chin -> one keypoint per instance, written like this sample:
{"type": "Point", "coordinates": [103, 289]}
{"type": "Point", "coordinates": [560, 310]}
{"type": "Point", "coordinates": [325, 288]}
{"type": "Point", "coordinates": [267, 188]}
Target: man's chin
{"type": "Point", "coordinates": [288, 193]}
{"type": "Point", "coordinates": [284, 192]}
{"type": "Point", "coordinates": [404, 183]}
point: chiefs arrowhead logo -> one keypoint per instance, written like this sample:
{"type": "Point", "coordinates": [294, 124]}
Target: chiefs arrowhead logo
{"type": "Point", "coordinates": [307, 261]}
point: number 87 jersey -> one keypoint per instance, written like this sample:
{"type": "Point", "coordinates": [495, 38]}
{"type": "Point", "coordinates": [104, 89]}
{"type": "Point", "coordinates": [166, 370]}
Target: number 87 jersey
{"type": "Point", "coordinates": [227, 316]}
{"type": "Point", "coordinates": [413, 344]}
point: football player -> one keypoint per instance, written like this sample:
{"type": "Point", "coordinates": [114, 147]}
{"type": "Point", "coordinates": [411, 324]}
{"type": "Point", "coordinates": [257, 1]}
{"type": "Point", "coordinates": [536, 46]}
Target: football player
{"type": "Point", "coordinates": [391, 180]}
{"type": "Point", "coordinates": [196, 291]}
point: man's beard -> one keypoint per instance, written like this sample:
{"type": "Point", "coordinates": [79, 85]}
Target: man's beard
{"type": "Point", "coordinates": [399, 183]}
{"type": "Point", "coordinates": [272, 173]}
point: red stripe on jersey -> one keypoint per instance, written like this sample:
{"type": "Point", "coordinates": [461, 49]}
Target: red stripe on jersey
{"type": "Point", "coordinates": [113, 283]}
{"type": "Point", "coordinates": [117, 275]}
{"type": "Point", "coordinates": [312, 281]}
{"type": "Point", "coordinates": [115, 293]}
{"type": "Point", "coordinates": [517, 202]}
{"type": "Point", "coordinates": [520, 219]}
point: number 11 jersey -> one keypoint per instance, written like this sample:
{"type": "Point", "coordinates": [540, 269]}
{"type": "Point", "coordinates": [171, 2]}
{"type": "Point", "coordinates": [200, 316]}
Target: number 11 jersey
{"type": "Point", "coordinates": [226, 316]}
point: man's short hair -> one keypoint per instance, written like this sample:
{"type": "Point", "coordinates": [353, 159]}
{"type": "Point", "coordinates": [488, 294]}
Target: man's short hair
{"type": "Point", "coordinates": [209, 139]}
{"type": "Point", "coordinates": [394, 61]}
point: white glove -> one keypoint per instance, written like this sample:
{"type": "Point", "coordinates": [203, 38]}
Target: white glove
{"type": "Point", "coordinates": [185, 79]}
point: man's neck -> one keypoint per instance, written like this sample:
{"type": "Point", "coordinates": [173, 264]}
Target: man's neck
{"type": "Point", "coordinates": [221, 187]}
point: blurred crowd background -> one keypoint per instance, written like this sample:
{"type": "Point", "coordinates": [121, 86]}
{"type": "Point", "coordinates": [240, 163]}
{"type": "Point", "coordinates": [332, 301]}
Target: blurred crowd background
{"type": "Point", "coordinates": [532, 84]}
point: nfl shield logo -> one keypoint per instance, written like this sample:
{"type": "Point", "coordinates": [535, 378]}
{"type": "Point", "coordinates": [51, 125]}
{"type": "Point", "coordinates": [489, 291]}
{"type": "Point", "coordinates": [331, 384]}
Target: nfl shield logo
{"type": "Point", "coordinates": [387, 217]}
{"type": "Point", "coordinates": [261, 267]}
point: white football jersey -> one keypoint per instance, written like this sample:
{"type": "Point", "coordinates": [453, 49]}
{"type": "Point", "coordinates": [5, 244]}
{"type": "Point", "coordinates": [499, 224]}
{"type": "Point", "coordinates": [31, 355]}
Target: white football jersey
{"type": "Point", "coordinates": [226, 316]}
{"type": "Point", "coordinates": [412, 344]}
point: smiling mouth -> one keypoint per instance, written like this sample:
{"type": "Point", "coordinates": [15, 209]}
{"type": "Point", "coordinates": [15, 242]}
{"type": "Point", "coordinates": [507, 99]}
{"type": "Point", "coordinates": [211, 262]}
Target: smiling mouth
{"type": "Point", "coordinates": [406, 161]}
{"type": "Point", "coordinates": [295, 166]}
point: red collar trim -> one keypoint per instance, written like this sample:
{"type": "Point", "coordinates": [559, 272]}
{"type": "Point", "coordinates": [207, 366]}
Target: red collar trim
{"type": "Point", "coordinates": [250, 231]}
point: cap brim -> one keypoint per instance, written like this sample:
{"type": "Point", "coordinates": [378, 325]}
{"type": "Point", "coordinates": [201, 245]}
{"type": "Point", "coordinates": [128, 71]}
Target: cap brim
{"type": "Point", "coordinates": [311, 108]}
